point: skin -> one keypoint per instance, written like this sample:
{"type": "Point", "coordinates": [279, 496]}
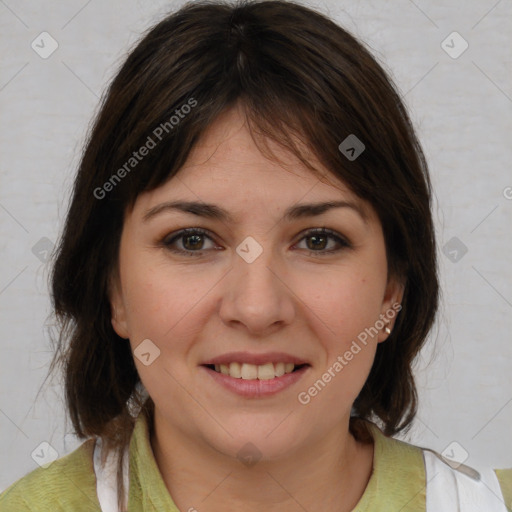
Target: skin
{"type": "Point", "coordinates": [197, 307]}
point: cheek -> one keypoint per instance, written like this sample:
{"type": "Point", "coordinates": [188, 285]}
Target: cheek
{"type": "Point", "coordinates": [346, 309]}
{"type": "Point", "coordinates": [346, 301]}
{"type": "Point", "coordinates": [345, 314]}
{"type": "Point", "coordinates": [156, 295]}
{"type": "Point", "coordinates": [169, 306]}
{"type": "Point", "coordinates": [163, 306]}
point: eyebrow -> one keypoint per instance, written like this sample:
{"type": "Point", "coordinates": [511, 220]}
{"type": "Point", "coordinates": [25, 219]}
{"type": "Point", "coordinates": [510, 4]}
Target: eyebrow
{"type": "Point", "coordinates": [215, 212]}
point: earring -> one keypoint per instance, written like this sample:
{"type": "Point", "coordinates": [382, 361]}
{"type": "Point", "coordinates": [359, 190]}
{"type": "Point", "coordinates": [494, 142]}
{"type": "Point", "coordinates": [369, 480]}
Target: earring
{"type": "Point", "coordinates": [387, 330]}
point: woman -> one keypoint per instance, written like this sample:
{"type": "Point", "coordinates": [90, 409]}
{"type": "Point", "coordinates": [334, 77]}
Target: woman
{"type": "Point", "coordinates": [246, 274]}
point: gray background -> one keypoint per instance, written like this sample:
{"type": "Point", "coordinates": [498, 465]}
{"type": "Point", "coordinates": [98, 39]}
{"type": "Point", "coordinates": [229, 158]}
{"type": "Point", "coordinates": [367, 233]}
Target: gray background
{"type": "Point", "coordinates": [462, 108]}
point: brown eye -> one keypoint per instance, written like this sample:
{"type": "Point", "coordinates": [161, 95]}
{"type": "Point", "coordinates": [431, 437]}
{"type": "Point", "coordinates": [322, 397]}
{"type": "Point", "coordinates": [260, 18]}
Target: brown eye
{"type": "Point", "coordinates": [190, 241]}
{"type": "Point", "coordinates": [317, 242]}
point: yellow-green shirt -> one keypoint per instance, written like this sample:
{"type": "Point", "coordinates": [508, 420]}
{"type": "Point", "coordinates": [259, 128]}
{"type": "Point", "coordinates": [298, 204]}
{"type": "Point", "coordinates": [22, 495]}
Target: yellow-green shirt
{"type": "Point", "coordinates": [397, 482]}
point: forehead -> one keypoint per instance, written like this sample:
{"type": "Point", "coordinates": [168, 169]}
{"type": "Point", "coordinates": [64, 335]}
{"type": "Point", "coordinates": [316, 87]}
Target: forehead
{"type": "Point", "coordinates": [230, 143]}
{"type": "Point", "coordinates": [227, 167]}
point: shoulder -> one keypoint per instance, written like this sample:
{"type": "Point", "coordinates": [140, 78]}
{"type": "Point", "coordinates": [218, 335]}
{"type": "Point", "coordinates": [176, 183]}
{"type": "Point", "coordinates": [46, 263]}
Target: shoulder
{"type": "Point", "coordinates": [505, 479]}
{"type": "Point", "coordinates": [67, 484]}
{"type": "Point", "coordinates": [405, 474]}
{"type": "Point", "coordinates": [397, 481]}
{"type": "Point", "coordinates": [400, 452]}
{"type": "Point", "coordinates": [396, 453]}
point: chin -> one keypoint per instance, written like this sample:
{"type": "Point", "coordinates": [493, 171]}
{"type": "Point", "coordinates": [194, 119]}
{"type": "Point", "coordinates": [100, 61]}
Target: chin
{"type": "Point", "coordinates": [249, 442]}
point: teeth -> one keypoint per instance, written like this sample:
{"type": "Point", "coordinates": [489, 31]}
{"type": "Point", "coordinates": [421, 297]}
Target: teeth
{"type": "Point", "coordinates": [279, 369]}
{"type": "Point", "coordinates": [265, 371]}
{"type": "Point", "coordinates": [235, 370]}
{"type": "Point", "coordinates": [251, 371]}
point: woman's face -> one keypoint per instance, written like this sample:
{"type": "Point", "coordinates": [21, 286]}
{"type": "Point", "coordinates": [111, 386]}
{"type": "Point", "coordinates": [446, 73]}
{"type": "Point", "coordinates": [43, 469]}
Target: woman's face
{"type": "Point", "coordinates": [257, 284]}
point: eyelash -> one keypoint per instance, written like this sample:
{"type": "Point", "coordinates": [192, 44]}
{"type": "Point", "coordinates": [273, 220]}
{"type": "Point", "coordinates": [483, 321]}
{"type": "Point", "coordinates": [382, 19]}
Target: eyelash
{"type": "Point", "coordinates": [169, 240]}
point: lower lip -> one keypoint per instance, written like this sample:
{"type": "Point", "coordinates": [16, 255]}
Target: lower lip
{"type": "Point", "coordinates": [254, 388]}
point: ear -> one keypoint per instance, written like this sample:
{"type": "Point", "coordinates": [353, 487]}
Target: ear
{"type": "Point", "coordinates": [391, 306]}
{"type": "Point", "coordinates": [117, 307]}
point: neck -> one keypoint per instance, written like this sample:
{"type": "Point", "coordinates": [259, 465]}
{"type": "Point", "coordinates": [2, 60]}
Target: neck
{"type": "Point", "coordinates": [330, 475]}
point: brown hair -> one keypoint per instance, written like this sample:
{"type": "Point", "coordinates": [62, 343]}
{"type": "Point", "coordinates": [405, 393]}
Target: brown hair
{"type": "Point", "coordinates": [297, 74]}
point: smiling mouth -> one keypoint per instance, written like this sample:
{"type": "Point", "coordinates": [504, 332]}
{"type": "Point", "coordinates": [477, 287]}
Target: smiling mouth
{"type": "Point", "coordinates": [248, 371]}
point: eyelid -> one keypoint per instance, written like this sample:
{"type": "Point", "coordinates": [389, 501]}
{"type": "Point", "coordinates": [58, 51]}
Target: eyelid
{"type": "Point", "coordinates": [324, 231]}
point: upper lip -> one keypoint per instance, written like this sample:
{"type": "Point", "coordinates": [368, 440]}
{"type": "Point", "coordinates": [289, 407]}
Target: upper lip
{"type": "Point", "coordinates": [257, 359]}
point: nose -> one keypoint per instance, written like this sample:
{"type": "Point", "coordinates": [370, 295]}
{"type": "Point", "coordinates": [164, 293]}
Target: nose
{"type": "Point", "coordinates": [256, 296]}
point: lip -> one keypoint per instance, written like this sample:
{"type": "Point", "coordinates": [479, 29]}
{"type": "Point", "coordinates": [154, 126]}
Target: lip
{"type": "Point", "coordinates": [255, 388]}
{"type": "Point", "coordinates": [257, 359]}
